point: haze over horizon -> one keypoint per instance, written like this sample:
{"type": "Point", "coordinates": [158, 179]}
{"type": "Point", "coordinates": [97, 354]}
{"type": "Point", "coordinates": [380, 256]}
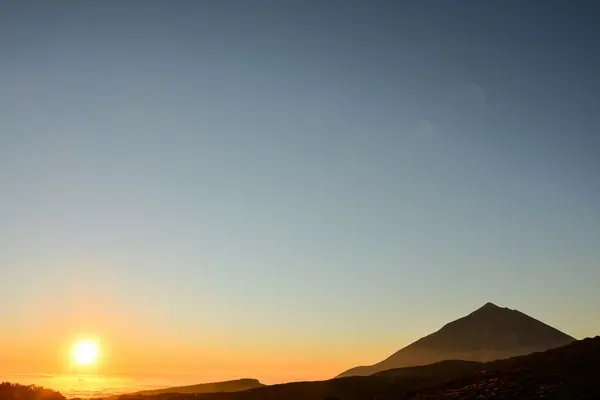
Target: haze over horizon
{"type": "Point", "coordinates": [285, 190]}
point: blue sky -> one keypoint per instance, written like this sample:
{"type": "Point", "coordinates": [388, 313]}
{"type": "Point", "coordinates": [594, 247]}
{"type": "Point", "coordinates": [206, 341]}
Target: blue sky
{"type": "Point", "coordinates": [325, 173]}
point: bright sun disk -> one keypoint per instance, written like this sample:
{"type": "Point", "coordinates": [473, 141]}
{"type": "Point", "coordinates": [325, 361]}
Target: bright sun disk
{"type": "Point", "coordinates": [85, 353]}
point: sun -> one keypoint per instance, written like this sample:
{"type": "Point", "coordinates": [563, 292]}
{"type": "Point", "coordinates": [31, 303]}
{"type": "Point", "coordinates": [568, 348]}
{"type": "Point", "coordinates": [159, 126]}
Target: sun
{"type": "Point", "coordinates": [84, 353]}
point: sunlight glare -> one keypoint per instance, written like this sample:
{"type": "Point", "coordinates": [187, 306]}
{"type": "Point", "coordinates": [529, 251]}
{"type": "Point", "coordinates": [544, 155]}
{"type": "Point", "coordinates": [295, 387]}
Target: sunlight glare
{"type": "Point", "coordinates": [84, 353]}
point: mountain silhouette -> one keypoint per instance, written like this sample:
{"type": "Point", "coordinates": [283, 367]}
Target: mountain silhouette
{"type": "Point", "coordinates": [489, 333]}
{"type": "Point", "coordinates": [567, 372]}
{"type": "Point", "coordinates": [214, 387]}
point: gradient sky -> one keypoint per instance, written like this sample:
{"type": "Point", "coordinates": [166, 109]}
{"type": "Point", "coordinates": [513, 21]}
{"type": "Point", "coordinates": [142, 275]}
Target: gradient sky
{"type": "Point", "coordinates": [286, 189]}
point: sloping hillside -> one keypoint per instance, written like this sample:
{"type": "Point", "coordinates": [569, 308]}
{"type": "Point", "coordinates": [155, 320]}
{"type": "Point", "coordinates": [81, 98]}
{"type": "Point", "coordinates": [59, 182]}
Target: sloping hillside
{"type": "Point", "coordinates": [569, 372]}
{"type": "Point", "coordinates": [447, 369]}
{"type": "Point", "coordinates": [227, 386]}
{"type": "Point", "coordinates": [487, 334]}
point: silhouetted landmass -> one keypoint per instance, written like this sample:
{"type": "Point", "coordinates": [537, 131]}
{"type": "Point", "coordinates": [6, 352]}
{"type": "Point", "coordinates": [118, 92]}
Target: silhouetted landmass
{"type": "Point", "coordinates": [569, 372]}
{"type": "Point", "coordinates": [14, 391]}
{"type": "Point", "coordinates": [227, 386]}
{"type": "Point", "coordinates": [447, 369]}
{"type": "Point", "coordinates": [489, 333]}
{"type": "Point", "coordinates": [355, 388]}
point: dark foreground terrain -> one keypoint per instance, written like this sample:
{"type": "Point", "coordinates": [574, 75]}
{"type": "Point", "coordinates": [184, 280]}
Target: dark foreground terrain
{"type": "Point", "coordinates": [227, 386]}
{"type": "Point", "coordinates": [569, 372]}
{"type": "Point", "coordinates": [14, 391]}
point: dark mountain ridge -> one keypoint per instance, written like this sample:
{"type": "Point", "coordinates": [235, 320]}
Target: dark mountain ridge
{"type": "Point", "coordinates": [488, 333]}
{"type": "Point", "coordinates": [226, 386]}
{"type": "Point", "coordinates": [568, 372]}
{"type": "Point", "coordinates": [446, 369]}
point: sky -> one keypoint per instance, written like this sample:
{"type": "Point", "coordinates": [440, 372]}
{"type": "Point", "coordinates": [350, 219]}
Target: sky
{"type": "Point", "coordinates": [287, 189]}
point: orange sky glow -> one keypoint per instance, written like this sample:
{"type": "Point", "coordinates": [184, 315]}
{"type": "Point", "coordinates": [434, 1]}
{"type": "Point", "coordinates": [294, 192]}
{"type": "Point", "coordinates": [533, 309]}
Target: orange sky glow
{"type": "Point", "coordinates": [214, 355]}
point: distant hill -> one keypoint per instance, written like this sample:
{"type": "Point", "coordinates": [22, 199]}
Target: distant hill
{"type": "Point", "coordinates": [568, 372]}
{"type": "Point", "coordinates": [354, 388]}
{"type": "Point", "coordinates": [489, 333]}
{"type": "Point", "coordinates": [227, 386]}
